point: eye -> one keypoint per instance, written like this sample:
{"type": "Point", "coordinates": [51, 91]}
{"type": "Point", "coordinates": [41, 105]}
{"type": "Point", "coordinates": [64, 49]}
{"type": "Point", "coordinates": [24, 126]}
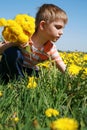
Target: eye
{"type": "Point", "coordinates": [58, 26]}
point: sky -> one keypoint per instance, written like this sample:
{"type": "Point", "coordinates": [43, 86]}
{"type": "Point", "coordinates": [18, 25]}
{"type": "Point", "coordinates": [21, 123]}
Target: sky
{"type": "Point", "coordinates": [75, 32]}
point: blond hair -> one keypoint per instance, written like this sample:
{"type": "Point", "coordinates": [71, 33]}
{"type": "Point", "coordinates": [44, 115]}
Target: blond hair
{"type": "Point", "coordinates": [49, 13]}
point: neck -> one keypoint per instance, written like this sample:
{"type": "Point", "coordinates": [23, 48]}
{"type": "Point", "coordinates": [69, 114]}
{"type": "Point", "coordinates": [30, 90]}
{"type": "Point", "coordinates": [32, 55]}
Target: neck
{"type": "Point", "coordinates": [38, 40]}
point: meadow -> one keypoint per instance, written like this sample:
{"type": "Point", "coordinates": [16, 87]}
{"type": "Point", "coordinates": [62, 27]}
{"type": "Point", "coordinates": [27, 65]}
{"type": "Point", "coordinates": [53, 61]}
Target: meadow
{"type": "Point", "coordinates": [53, 101]}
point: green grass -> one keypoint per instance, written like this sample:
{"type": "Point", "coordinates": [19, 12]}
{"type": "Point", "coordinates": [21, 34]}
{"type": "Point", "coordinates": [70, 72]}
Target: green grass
{"type": "Point", "coordinates": [66, 94]}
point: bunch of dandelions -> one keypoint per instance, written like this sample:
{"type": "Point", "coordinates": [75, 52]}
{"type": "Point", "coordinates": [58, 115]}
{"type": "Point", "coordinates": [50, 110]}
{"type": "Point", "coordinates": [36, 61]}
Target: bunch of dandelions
{"type": "Point", "coordinates": [19, 29]}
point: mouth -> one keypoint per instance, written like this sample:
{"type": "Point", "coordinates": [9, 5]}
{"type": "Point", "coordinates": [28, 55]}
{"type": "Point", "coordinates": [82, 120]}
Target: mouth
{"type": "Point", "coordinates": [57, 38]}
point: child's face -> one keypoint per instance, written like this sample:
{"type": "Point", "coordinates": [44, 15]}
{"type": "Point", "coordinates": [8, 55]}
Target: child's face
{"type": "Point", "coordinates": [54, 30]}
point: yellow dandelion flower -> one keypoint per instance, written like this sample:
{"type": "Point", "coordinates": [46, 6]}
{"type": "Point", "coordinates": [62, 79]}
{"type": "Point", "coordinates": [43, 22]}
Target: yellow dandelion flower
{"type": "Point", "coordinates": [14, 27]}
{"type": "Point", "coordinates": [26, 22]}
{"type": "Point", "coordinates": [22, 38]}
{"type": "Point", "coordinates": [3, 22]}
{"type": "Point", "coordinates": [1, 93]}
{"type": "Point", "coordinates": [85, 57]}
{"type": "Point", "coordinates": [74, 69]}
{"type": "Point", "coordinates": [51, 112]}
{"type": "Point", "coordinates": [16, 119]}
{"type": "Point", "coordinates": [6, 31]}
{"type": "Point", "coordinates": [64, 124]}
{"type": "Point", "coordinates": [32, 83]}
{"type": "Point", "coordinates": [46, 64]}
{"type": "Point", "coordinates": [84, 72]}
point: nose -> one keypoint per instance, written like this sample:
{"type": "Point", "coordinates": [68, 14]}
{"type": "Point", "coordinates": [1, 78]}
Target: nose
{"type": "Point", "coordinates": [61, 31]}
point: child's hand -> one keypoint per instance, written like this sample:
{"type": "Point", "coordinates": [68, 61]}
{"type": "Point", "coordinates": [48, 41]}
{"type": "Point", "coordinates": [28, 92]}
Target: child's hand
{"type": "Point", "coordinates": [1, 44]}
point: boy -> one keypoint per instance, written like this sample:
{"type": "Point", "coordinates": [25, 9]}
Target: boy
{"type": "Point", "coordinates": [49, 24]}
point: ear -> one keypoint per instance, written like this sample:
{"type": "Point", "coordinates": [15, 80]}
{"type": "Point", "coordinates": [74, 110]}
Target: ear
{"type": "Point", "coordinates": [42, 25]}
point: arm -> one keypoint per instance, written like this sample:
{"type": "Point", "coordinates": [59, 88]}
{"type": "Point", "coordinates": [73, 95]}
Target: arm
{"type": "Point", "coordinates": [57, 58]}
{"type": "Point", "coordinates": [61, 66]}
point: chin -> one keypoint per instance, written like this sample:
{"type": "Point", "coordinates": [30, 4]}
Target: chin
{"type": "Point", "coordinates": [54, 40]}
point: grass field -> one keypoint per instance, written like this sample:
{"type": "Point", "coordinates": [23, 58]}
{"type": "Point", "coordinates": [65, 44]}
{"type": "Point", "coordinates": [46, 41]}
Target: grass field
{"type": "Point", "coordinates": [54, 101]}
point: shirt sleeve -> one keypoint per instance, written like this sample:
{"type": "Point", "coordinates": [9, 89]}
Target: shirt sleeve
{"type": "Point", "coordinates": [55, 56]}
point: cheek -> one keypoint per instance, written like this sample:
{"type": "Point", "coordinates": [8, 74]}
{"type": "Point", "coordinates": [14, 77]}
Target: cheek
{"type": "Point", "coordinates": [52, 31]}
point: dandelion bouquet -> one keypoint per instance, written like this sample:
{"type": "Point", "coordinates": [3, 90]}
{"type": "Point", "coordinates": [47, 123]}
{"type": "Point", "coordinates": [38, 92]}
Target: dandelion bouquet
{"type": "Point", "coordinates": [19, 29]}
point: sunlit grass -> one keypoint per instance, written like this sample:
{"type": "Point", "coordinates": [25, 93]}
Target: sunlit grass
{"type": "Point", "coordinates": [24, 103]}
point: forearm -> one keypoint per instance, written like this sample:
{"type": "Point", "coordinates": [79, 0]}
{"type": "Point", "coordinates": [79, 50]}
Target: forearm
{"type": "Point", "coordinates": [61, 66]}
